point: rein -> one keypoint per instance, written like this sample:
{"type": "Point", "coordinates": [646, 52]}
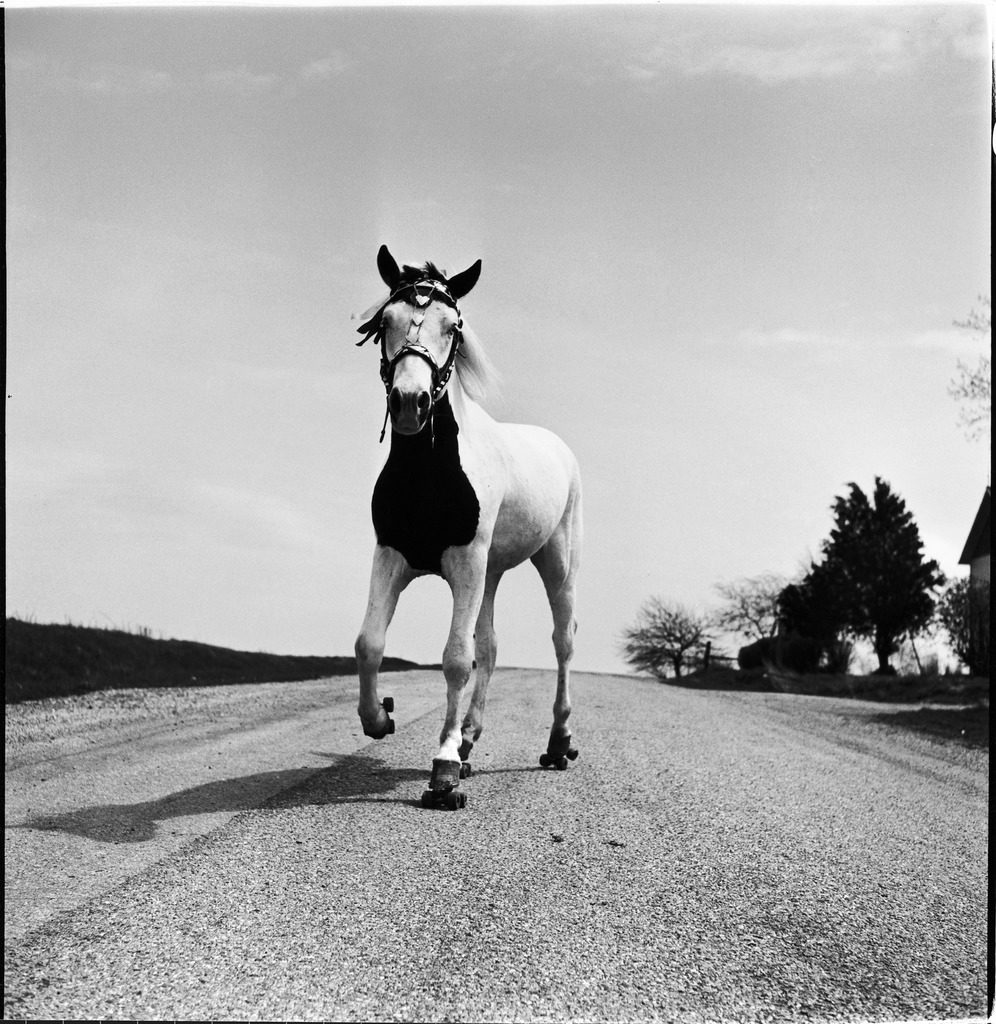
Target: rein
{"type": "Point", "coordinates": [419, 294]}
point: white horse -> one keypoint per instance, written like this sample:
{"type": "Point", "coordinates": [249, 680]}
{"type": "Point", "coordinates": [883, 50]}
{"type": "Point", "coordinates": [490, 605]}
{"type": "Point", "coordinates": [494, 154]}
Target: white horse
{"type": "Point", "coordinates": [466, 498]}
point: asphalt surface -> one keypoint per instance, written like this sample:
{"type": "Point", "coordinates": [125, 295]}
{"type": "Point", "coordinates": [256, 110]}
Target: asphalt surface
{"type": "Point", "coordinates": [245, 853]}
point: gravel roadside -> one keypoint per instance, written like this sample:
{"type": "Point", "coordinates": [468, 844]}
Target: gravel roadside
{"type": "Point", "coordinates": [58, 726]}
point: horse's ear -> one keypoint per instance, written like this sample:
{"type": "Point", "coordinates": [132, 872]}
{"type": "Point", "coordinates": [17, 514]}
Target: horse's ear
{"type": "Point", "coordinates": [388, 266]}
{"type": "Point", "coordinates": [461, 283]}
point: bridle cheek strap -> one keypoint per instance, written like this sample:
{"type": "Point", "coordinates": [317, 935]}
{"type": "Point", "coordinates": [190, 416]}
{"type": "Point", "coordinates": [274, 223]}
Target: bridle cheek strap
{"type": "Point", "coordinates": [416, 349]}
{"type": "Point", "coordinates": [422, 294]}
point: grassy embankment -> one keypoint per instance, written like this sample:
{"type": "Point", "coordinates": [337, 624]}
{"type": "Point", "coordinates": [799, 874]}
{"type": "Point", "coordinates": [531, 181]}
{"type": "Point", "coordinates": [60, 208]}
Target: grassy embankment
{"type": "Point", "coordinates": [56, 661]}
{"type": "Point", "coordinates": [952, 707]}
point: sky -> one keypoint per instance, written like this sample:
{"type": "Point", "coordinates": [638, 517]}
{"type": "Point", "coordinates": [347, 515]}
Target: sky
{"type": "Point", "coordinates": [724, 249]}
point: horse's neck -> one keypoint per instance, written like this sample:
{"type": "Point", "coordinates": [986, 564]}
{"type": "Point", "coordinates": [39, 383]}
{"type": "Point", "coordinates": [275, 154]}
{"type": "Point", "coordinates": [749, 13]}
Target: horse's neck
{"type": "Point", "coordinates": [454, 413]}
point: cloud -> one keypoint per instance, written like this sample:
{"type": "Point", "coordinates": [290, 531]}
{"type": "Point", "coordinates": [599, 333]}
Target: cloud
{"type": "Point", "coordinates": [290, 379]}
{"type": "Point", "coordinates": [820, 46]}
{"type": "Point", "coordinates": [787, 337]}
{"type": "Point", "coordinates": [325, 68]}
{"type": "Point", "coordinates": [122, 80]}
{"type": "Point", "coordinates": [956, 341]}
{"type": "Point", "coordinates": [39, 469]}
{"type": "Point", "coordinates": [78, 492]}
{"type": "Point", "coordinates": [772, 64]}
{"type": "Point", "coordinates": [241, 81]}
{"type": "Point", "coordinates": [254, 519]}
{"type": "Point", "coordinates": [244, 81]}
{"type": "Point", "coordinates": [100, 79]}
{"type": "Point", "coordinates": [768, 63]}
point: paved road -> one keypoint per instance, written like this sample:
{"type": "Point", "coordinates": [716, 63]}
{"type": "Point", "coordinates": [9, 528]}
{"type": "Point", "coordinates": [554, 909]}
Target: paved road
{"type": "Point", "coordinates": [246, 853]}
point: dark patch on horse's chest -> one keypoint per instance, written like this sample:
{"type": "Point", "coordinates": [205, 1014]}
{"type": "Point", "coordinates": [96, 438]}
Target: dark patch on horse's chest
{"type": "Point", "coordinates": [423, 502]}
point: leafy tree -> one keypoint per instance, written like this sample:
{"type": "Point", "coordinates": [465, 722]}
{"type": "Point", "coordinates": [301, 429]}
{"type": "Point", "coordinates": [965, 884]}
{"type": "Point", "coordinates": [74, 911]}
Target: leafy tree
{"type": "Point", "coordinates": [873, 581]}
{"type": "Point", "coordinates": [666, 638]}
{"type": "Point", "coordinates": [955, 619]}
{"type": "Point", "coordinates": [963, 613]}
{"type": "Point", "coordinates": [814, 608]}
{"type": "Point", "coordinates": [973, 385]}
{"type": "Point", "coordinates": [750, 605]}
{"type": "Point", "coordinates": [980, 658]}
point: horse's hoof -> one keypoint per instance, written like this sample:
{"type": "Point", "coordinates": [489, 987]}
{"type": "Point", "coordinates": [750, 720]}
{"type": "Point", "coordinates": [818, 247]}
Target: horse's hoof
{"type": "Point", "coordinates": [558, 752]}
{"type": "Point", "coordinates": [450, 799]}
{"type": "Point", "coordinates": [443, 782]}
{"type": "Point", "coordinates": [386, 729]}
{"type": "Point", "coordinates": [445, 776]}
{"type": "Point", "coordinates": [465, 748]}
{"type": "Point", "coordinates": [465, 770]}
{"type": "Point", "coordinates": [560, 763]}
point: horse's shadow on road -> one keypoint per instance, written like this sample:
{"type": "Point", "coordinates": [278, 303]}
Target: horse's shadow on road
{"type": "Point", "coordinates": [352, 778]}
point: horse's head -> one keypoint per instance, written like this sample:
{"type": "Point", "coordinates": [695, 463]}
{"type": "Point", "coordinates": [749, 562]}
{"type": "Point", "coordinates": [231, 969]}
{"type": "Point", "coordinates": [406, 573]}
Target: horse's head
{"type": "Point", "coordinates": [419, 330]}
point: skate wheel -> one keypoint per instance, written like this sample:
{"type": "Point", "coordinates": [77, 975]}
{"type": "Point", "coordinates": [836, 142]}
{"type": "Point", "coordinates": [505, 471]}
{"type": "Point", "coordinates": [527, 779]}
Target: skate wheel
{"type": "Point", "coordinates": [428, 799]}
{"type": "Point", "coordinates": [573, 753]}
{"type": "Point", "coordinates": [390, 725]}
{"type": "Point", "coordinates": [455, 800]}
{"type": "Point", "coordinates": [545, 761]}
{"type": "Point", "coordinates": [387, 704]}
{"type": "Point", "coordinates": [465, 770]}
{"type": "Point", "coordinates": [561, 764]}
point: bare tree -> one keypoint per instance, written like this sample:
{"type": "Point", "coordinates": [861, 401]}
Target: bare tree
{"type": "Point", "coordinates": [972, 388]}
{"type": "Point", "coordinates": [751, 605]}
{"type": "Point", "coordinates": [666, 638]}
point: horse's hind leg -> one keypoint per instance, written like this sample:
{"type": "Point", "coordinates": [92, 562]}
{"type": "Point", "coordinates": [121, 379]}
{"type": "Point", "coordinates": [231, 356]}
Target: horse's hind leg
{"type": "Point", "coordinates": [557, 562]}
{"type": "Point", "coordinates": [485, 654]}
{"type": "Point", "coordinates": [559, 747]}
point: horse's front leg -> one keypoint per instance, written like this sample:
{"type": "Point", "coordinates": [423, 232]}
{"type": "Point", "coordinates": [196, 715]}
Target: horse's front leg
{"type": "Point", "coordinates": [390, 574]}
{"type": "Point", "coordinates": [464, 569]}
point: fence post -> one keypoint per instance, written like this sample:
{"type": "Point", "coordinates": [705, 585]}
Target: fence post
{"type": "Point", "coordinates": [705, 659]}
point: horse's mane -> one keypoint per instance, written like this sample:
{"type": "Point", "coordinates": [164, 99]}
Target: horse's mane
{"type": "Point", "coordinates": [473, 367]}
{"type": "Point", "coordinates": [475, 370]}
{"type": "Point", "coordinates": [409, 275]}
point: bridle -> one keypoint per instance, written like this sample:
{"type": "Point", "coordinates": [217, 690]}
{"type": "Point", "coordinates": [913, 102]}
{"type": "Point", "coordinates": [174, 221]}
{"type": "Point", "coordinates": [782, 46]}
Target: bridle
{"type": "Point", "coordinates": [419, 294]}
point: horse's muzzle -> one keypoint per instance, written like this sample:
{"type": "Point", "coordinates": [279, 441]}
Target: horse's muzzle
{"type": "Point", "coordinates": [409, 410]}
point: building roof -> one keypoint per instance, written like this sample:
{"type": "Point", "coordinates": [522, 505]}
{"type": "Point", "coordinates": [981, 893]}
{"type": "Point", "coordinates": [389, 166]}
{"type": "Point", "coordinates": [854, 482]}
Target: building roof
{"type": "Point", "coordinates": [979, 537]}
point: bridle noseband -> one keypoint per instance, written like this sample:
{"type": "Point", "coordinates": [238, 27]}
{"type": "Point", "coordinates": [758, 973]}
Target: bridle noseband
{"type": "Point", "coordinates": [420, 294]}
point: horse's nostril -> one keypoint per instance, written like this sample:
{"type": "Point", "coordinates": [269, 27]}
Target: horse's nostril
{"type": "Point", "coordinates": [424, 401]}
{"type": "Point", "coordinates": [395, 401]}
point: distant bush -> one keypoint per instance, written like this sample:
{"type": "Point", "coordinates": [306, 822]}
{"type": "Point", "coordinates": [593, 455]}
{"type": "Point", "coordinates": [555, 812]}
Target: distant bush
{"type": "Point", "coordinates": [789, 651]}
